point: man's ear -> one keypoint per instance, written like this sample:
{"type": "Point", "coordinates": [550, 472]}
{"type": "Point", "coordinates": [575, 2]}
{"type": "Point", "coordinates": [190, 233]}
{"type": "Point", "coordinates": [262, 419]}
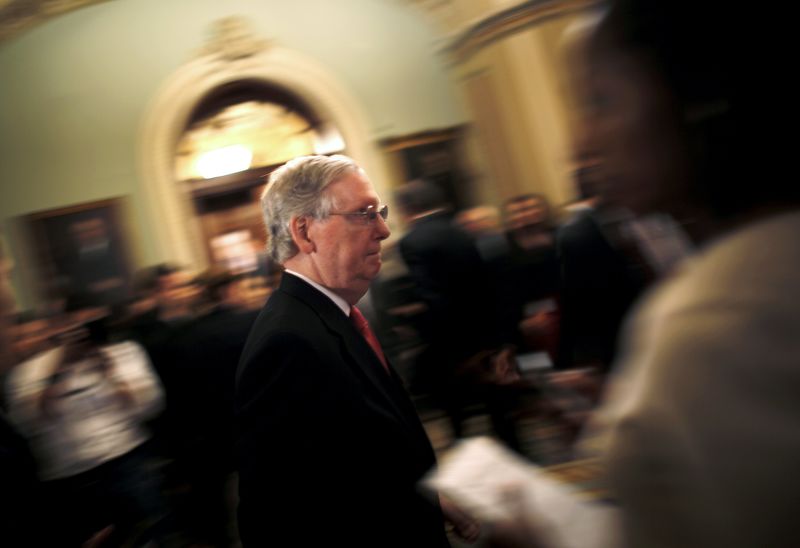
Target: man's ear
{"type": "Point", "coordinates": [299, 227]}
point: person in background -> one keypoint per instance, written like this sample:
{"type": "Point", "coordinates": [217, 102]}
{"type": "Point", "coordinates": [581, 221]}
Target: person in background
{"type": "Point", "coordinates": [205, 357]}
{"type": "Point", "coordinates": [177, 294]}
{"type": "Point", "coordinates": [30, 334]}
{"type": "Point", "coordinates": [528, 278]}
{"type": "Point", "coordinates": [459, 321]}
{"type": "Point", "coordinates": [483, 223]}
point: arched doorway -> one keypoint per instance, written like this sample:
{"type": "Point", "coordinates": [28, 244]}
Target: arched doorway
{"type": "Point", "coordinates": [177, 232]}
{"type": "Point", "coordinates": [236, 135]}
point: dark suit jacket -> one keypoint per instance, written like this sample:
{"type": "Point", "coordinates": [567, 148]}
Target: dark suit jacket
{"type": "Point", "coordinates": [599, 283]}
{"type": "Point", "coordinates": [329, 446]}
{"type": "Point", "coordinates": [205, 356]}
{"type": "Point", "coordinates": [453, 281]}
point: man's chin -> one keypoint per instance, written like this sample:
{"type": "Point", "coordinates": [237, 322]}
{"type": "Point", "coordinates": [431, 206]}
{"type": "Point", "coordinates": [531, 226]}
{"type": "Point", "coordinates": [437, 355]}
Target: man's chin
{"type": "Point", "coordinates": [370, 273]}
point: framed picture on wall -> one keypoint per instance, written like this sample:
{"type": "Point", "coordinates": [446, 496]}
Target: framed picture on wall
{"type": "Point", "coordinates": [435, 156]}
{"type": "Point", "coordinates": [83, 250]}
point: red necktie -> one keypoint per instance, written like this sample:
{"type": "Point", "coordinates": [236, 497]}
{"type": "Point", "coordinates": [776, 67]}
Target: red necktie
{"type": "Point", "coordinates": [360, 322]}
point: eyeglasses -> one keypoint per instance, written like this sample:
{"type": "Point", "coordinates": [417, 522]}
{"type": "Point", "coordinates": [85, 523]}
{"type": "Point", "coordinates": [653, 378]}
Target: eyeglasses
{"type": "Point", "coordinates": [369, 214]}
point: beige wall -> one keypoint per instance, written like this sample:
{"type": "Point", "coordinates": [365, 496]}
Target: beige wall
{"type": "Point", "coordinates": [515, 82]}
{"type": "Point", "coordinates": [515, 91]}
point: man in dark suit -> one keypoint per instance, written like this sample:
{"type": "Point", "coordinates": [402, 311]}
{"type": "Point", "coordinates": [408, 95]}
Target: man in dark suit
{"type": "Point", "coordinates": [459, 320]}
{"type": "Point", "coordinates": [203, 356]}
{"type": "Point", "coordinates": [329, 446]}
{"type": "Point", "coordinates": [601, 274]}
{"type": "Point", "coordinates": [599, 283]}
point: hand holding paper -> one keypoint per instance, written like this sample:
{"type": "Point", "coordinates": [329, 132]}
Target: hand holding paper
{"type": "Point", "coordinates": [496, 486]}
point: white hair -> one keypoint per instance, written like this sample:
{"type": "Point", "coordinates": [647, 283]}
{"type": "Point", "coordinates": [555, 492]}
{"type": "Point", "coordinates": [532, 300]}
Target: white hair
{"type": "Point", "coordinates": [296, 189]}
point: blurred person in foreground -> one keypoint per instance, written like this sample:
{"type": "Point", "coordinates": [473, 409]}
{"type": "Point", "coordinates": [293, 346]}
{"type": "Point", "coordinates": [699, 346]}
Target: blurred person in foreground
{"type": "Point", "coordinates": [81, 406]}
{"type": "Point", "coordinates": [329, 446]}
{"type": "Point", "coordinates": [22, 522]}
{"type": "Point", "coordinates": [699, 432]}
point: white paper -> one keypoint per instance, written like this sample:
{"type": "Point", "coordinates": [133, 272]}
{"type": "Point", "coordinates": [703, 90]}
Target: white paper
{"type": "Point", "coordinates": [534, 361]}
{"type": "Point", "coordinates": [479, 472]}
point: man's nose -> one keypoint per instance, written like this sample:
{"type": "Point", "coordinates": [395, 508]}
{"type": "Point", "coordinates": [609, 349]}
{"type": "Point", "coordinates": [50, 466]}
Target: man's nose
{"type": "Point", "coordinates": [382, 228]}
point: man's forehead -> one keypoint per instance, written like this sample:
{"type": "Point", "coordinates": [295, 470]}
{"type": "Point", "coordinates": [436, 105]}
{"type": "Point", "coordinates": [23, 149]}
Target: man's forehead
{"type": "Point", "coordinates": [354, 187]}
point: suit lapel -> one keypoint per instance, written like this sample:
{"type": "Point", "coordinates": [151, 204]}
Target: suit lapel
{"type": "Point", "coordinates": [364, 360]}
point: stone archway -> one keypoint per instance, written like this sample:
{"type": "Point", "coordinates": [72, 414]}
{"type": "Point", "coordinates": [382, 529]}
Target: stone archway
{"type": "Point", "coordinates": [234, 54]}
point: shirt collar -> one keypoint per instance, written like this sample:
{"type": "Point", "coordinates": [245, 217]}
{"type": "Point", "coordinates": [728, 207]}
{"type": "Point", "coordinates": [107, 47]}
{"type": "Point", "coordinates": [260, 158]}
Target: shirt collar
{"type": "Point", "coordinates": [337, 300]}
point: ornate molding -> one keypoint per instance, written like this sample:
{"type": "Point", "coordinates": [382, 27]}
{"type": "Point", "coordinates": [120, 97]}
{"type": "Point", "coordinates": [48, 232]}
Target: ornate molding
{"type": "Point", "coordinates": [231, 39]}
{"type": "Point", "coordinates": [507, 22]}
{"type": "Point", "coordinates": [442, 12]}
{"type": "Point", "coordinates": [17, 16]}
{"type": "Point", "coordinates": [394, 144]}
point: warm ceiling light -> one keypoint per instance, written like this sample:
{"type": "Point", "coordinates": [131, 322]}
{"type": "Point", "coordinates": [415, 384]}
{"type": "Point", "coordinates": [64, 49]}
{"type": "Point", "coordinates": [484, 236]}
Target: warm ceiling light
{"type": "Point", "coordinates": [224, 161]}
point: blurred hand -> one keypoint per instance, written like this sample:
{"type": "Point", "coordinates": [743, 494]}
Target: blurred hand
{"type": "Point", "coordinates": [465, 526]}
{"type": "Point", "coordinates": [517, 532]}
{"type": "Point", "coordinates": [505, 366]}
{"type": "Point", "coordinates": [587, 381]}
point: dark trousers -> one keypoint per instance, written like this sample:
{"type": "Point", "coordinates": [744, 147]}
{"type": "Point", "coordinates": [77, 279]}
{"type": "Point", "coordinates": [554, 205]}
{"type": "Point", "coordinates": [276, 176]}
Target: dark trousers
{"type": "Point", "coordinates": [122, 492]}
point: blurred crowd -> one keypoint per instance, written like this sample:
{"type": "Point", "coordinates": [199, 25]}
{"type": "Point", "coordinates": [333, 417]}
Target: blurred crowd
{"type": "Point", "coordinates": [125, 412]}
{"type": "Point", "coordinates": [477, 297]}
{"type": "Point", "coordinates": [127, 408]}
